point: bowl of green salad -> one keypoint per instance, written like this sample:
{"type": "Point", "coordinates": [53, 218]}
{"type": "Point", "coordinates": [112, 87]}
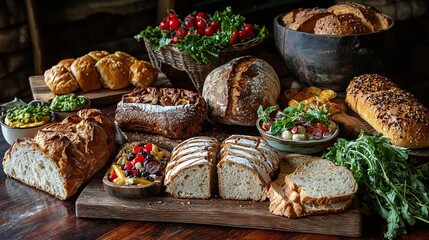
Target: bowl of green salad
{"type": "Point", "coordinates": [69, 104]}
{"type": "Point", "coordinates": [301, 129]}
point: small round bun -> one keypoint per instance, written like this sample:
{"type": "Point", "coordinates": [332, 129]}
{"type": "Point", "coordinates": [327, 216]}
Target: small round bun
{"type": "Point", "coordinates": [113, 72]}
{"type": "Point", "coordinates": [59, 79]}
{"type": "Point", "coordinates": [142, 74]}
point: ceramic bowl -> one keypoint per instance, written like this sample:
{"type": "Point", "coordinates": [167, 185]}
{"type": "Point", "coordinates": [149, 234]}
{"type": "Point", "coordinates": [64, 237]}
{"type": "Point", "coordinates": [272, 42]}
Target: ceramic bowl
{"type": "Point", "coordinates": [60, 115]}
{"type": "Point", "coordinates": [329, 61]}
{"type": "Point", "coordinates": [294, 146]}
{"type": "Point", "coordinates": [12, 133]}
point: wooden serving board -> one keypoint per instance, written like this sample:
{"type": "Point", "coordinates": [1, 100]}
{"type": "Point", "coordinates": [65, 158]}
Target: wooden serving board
{"type": "Point", "coordinates": [102, 97]}
{"type": "Point", "coordinates": [94, 202]}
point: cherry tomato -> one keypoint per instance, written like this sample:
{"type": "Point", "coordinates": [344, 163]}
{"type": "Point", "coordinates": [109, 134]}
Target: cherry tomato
{"type": "Point", "coordinates": [201, 24]}
{"type": "Point", "coordinates": [164, 25]}
{"type": "Point", "coordinates": [200, 31]}
{"type": "Point", "coordinates": [243, 34]}
{"type": "Point", "coordinates": [248, 27]}
{"type": "Point", "coordinates": [138, 159]}
{"type": "Point", "coordinates": [137, 149]}
{"type": "Point", "coordinates": [174, 24]}
{"type": "Point", "coordinates": [321, 126]}
{"type": "Point", "coordinates": [215, 25]}
{"type": "Point", "coordinates": [172, 16]}
{"type": "Point", "coordinates": [180, 33]}
{"type": "Point", "coordinates": [134, 171]}
{"type": "Point", "coordinates": [189, 24]}
{"type": "Point", "coordinates": [200, 16]}
{"type": "Point", "coordinates": [266, 127]}
{"type": "Point", "coordinates": [147, 147]}
{"type": "Point", "coordinates": [113, 176]}
{"type": "Point", "coordinates": [251, 34]}
{"type": "Point", "coordinates": [128, 166]}
{"type": "Point", "coordinates": [235, 37]}
{"type": "Point", "coordinates": [175, 40]}
{"type": "Point", "coordinates": [209, 31]}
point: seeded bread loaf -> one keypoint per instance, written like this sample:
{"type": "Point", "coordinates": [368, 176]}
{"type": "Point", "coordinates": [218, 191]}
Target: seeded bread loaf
{"type": "Point", "coordinates": [99, 69]}
{"type": "Point", "coordinates": [235, 90]}
{"type": "Point", "coordinates": [63, 155]}
{"type": "Point", "coordinates": [191, 170]}
{"type": "Point", "coordinates": [286, 202]}
{"type": "Point", "coordinates": [245, 167]}
{"type": "Point", "coordinates": [170, 112]}
{"type": "Point", "coordinates": [390, 110]}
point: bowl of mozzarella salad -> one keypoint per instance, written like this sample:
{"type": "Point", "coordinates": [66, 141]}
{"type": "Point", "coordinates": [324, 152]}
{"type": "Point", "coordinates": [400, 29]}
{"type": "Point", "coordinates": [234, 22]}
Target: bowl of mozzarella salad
{"type": "Point", "coordinates": [297, 129]}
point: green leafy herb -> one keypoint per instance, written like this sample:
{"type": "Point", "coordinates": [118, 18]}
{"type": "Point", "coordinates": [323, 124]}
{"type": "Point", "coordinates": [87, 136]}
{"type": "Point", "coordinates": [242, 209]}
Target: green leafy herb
{"type": "Point", "coordinates": [389, 184]}
{"type": "Point", "coordinates": [205, 48]}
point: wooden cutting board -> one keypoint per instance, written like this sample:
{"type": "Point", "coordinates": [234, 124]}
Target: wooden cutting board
{"type": "Point", "coordinates": [102, 97]}
{"type": "Point", "coordinates": [94, 202]}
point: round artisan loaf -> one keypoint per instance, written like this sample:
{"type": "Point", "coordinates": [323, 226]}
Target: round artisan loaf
{"type": "Point", "coordinates": [170, 112]}
{"type": "Point", "coordinates": [59, 78]}
{"type": "Point", "coordinates": [235, 90]}
{"type": "Point", "coordinates": [389, 110]}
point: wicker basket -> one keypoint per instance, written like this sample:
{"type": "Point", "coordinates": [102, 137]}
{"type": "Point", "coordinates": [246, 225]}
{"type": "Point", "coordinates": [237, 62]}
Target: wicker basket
{"type": "Point", "coordinates": [197, 72]}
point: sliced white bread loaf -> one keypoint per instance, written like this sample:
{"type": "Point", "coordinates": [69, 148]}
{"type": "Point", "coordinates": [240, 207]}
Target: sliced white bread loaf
{"type": "Point", "coordinates": [286, 202]}
{"type": "Point", "coordinates": [190, 172]}
{"type": "Point", "coordinates": [319, 187]}
{"type": "Point", "coordinates": [245, 168]}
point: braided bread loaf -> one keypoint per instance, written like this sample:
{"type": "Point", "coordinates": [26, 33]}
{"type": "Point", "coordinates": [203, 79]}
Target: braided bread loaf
{"type": "Point", "coordinates": [99, 69]}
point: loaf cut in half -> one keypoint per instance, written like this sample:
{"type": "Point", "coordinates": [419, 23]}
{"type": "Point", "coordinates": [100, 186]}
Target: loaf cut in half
{"type": "Point", "coordinates": [287, 202]}
{"type": "Point", "coordinates": [170, 112]}
{"type": "Point", "coordinates": [62, 156]}
{"type": "Point", "coordinates": [190, 173]}
{"type": "Point", "coordinates": [245, 168]}
{"type": "Point", "coordinates": [391, 111]}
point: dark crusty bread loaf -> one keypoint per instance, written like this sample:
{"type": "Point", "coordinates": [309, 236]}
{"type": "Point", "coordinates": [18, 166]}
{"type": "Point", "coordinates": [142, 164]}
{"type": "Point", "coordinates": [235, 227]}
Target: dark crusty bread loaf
{"type": "Point", "coordinates": [235, 90]}
{"type": "Point", "coordinates": [64, 155]}
{"type": "Point", "coordinates": [173, 113]}
{"type": "Point", "coordinates": [190, 173]}
{"type": "Point", "coordinates": [342, 24]}
{"type": "Point", "coordinates": [390, 110]}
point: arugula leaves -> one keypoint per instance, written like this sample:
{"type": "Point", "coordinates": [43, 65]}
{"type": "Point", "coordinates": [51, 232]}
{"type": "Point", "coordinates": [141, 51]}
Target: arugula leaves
{"type": "Point", "coordinates": [205, 48]}
{"type": "Point", "coordinates": [389, 184]}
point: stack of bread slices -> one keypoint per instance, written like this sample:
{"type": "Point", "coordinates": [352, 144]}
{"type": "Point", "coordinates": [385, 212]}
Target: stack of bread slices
{"type": "Point", "coordinates": [310, 185]}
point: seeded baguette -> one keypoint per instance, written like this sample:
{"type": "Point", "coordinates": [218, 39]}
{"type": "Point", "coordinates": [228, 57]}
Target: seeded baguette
{"type": "Point", "coordinates": [390, 110]}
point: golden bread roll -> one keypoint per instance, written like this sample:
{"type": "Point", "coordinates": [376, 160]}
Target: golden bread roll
{"type": "Point", "coordinates": [127, 58]}
{"type": "Point", "coordinates": [142, 74]}
{"type": "Point", "coordinates": [390, 110]}
{"type": "Point", "coordinates": [98, 54]}
{"type": "Point", "coordinates": [86, 75]}
{"type": "Point", "coordinates": [59, 78]}
{"type": "Point", "coordinates": [113, 72]}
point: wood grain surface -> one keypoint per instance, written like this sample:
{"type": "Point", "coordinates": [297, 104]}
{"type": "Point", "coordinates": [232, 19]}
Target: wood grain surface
{"type": "Point", "coordinates": [102, 97]}
{"type": "Point", "coordinates": [94, 202]}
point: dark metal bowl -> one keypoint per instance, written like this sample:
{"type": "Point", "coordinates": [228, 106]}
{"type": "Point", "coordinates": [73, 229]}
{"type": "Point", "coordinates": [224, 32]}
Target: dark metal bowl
{"type": "Point", "coordinates": [332, 61]}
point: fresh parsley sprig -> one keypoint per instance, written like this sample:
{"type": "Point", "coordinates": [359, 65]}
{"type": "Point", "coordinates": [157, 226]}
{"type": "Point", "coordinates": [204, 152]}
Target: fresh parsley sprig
{"type": "Point", "coordinates": [389, 184]}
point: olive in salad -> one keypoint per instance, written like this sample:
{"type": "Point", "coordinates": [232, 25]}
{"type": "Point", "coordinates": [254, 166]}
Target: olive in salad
{"type": "Point", "coordinates": [138, 164]}
{"type": "Point", "coordinates": [67, 103]}
{"type": "Point", "coordinates": [31, 115]}
{"type": "Point", "coordinates": [297, 123]}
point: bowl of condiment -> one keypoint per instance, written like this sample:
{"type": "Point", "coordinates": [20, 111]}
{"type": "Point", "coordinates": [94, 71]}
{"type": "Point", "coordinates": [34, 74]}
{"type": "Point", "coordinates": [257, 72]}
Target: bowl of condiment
{"type": "Point", "coordinates": [69, 104]}
{"type": "Point", "coordinates": [328, 47]}
{"type": "Point", "coordinates": [300, 129]}
{"type": "Point", "coordinates": [20, 120]}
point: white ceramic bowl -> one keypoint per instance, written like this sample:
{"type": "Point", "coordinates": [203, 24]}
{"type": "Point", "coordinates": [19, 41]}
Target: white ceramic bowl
{"type": "Point", "coordinates": [297, 146]}
{"type": "Point", "coordinates": [12, 133]}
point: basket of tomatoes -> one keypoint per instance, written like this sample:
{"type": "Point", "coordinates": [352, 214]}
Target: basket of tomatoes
{"type": "Point", "coordinates": [200, 42]}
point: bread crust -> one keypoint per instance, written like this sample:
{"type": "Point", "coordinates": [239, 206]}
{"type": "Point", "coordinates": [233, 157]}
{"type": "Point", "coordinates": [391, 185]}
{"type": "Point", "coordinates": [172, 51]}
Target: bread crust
{"type": "Point", "coordinates": [77, 148]}
{"type": "Point", "coordinates": [173, 113]}
{"type": "Point", "coordinates": [113, 72]}
{"type": "Point", "coordinates": [142, 74]}
{"type": "Point", "coordinates": [235, 90]}
{"type": "Point", "coordinates": [390, 110]}
{"type": "Point", "coordinates": [83, 69]}
{"type": "Point", "coordinates": [59, 78]}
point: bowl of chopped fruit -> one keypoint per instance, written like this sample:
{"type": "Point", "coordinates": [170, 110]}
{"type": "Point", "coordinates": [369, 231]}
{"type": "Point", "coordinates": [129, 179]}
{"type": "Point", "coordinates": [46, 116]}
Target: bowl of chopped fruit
{"type": "Point", "coordinates": [298, 129]}
{"type": "Point", "coordinates": [137, 171]}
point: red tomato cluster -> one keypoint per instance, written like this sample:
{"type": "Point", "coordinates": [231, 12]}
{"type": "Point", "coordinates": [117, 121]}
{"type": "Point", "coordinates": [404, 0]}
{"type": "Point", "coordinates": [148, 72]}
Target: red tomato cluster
{"type": "Point", "coordinates": [201, 25]}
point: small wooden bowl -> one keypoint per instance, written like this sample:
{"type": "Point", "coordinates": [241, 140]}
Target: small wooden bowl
{"type": "Point", "coordinates": [136, 191]}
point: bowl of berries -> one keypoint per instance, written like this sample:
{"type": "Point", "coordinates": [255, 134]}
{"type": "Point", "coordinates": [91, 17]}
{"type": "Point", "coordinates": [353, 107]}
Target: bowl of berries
{"type": "Point", "coordinates": [137, 171]}
{"type": "Point", "coordinates": [200, 42]}
{"type": "Point", "coordinates": [297, 129]}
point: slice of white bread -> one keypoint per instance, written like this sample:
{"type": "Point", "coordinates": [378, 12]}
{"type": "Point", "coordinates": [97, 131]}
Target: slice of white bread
{"type": "Point", "coordinates": [190, 172]}
{"type": "Point", "coordinates": [287, 202]}
{"type": "Point", "coordinates": [245, 168]}
{"type": "Point", "coordinates": [325, 186]}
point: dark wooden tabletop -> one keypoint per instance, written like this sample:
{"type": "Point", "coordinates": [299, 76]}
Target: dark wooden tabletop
{"type": "Point", "coordinates": [27, 213]}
